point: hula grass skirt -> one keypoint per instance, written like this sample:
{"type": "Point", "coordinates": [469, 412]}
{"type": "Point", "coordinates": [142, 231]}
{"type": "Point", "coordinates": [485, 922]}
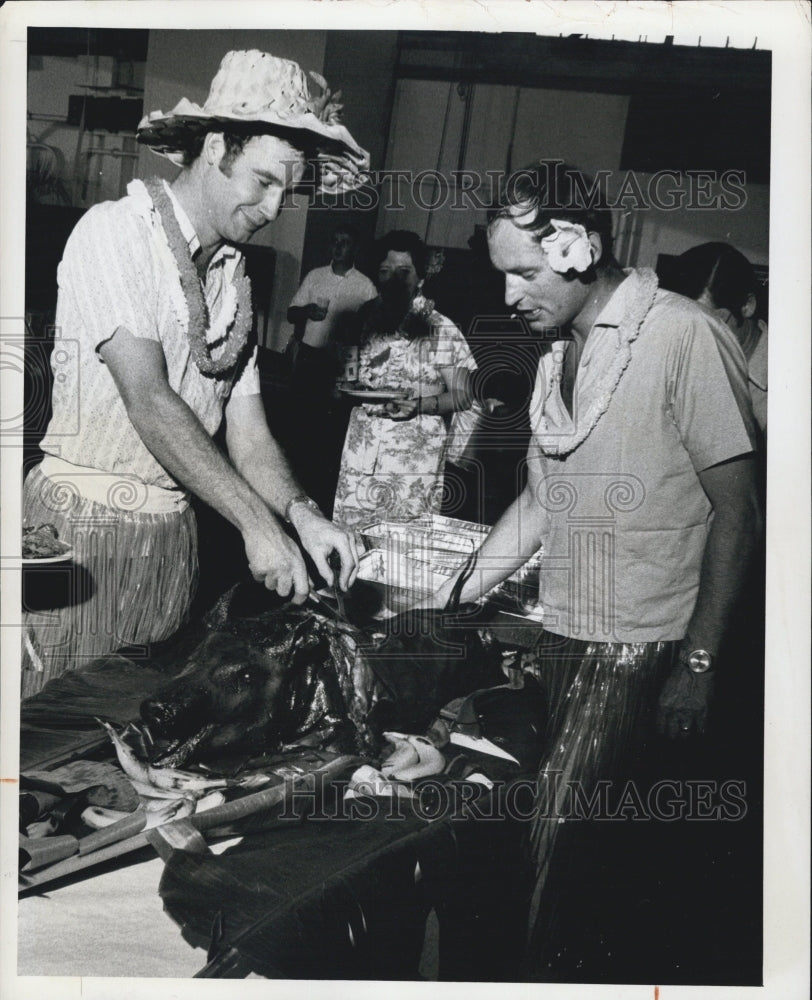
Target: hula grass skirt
{"type": "Point", "coordinates": [602, 698]}
{"type": "Point", "coordinates": [131, 581]}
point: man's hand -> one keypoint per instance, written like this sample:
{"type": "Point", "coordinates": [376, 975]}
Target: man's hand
{"type": "Point", "coordinates": [315, 311]}
{"type": "Point", "coordinates": [275, 560]}
{"type": "Point", "coordinates": [320, 538]}
{"type": "Point", "coordinates": [401, 409]}
{"type": "Point", "coordinates": [438, 599]}
{"type": "Point", "coordinates": [684, 703]}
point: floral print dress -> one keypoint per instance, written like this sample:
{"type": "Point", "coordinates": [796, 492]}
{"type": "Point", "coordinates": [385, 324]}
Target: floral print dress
{"type": "Point", "coordinates": [393, 469]}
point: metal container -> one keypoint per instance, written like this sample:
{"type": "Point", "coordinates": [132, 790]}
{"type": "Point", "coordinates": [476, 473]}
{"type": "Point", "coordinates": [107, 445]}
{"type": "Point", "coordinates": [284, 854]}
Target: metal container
{"type": "Point", "coordinates": [437, 547]}
{"type": "Point", "coordinates": [401, 582]}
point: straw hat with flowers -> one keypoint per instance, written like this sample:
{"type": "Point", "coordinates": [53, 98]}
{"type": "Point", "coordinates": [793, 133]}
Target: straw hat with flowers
{"type": "Point", "coordinates": [259, 92]}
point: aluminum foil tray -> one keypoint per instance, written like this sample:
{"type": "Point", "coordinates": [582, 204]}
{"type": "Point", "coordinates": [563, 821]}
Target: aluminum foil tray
{"type": "Point", "coordinates": [441, 545]}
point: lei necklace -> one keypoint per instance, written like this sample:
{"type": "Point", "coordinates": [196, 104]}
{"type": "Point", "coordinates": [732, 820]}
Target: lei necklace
{"type": "Point", "coordinates": [199, 321]}
{"type": "Point", "coordinates": [612, 357]}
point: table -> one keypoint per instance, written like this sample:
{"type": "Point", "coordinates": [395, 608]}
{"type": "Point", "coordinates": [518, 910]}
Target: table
{"type": "Point", "coordinates": [344, 898]}
{"type": "Point", "coordinates": [348, 898]}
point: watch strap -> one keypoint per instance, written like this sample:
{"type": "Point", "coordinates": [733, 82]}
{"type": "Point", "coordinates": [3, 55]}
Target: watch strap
{"type": "Point", "coordinates": [300, 498]}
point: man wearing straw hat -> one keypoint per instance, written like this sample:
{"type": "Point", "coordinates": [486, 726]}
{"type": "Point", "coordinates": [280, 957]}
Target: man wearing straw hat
{"type": "Point", "coordinates": [155, 308]}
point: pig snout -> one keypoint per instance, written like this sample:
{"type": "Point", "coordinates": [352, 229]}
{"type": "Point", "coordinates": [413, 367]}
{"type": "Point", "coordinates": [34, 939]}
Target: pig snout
{"type": "Point", "coordinates": [236, 692]}
{"type": "Point", "coordinates": [172, 712]}
{"type": "Point", "coordinates": [226, 680]}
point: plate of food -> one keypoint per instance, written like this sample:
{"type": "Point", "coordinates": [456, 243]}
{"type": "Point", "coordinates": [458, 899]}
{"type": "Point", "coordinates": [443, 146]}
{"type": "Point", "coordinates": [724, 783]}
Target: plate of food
{"type": "Point", "coordinates": [41, 544]}
{"type": "Point", "coordinates": [381, 395]}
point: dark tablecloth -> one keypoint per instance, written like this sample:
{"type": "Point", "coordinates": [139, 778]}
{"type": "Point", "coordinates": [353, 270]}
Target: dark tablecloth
{"type": "Point", "coordinates": [347, 898]}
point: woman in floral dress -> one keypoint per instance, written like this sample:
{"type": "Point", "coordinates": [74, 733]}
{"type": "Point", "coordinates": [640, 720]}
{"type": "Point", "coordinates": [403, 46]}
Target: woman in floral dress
{"type": "Point", "coordinates": [392, 463]}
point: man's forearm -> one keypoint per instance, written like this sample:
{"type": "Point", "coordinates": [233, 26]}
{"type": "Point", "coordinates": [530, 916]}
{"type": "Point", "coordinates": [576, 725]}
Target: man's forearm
{"type": "Point", "coordinates": [734, 530]}
{"type": "Point", "coordinates": [262, 463]}
{"type": "Point", "coordinates": [511, 542]}
{"type": "Point", "coordinates": [728, 552]}
{"type": "Point", "coordinates": [297, 314]}
{"type": "Point", "coordinates": [182, 446]}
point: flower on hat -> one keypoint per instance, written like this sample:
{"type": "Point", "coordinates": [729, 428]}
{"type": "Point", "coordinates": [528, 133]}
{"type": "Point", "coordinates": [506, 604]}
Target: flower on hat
{"type": "Point", "coordinates": [435, 262]}
{"type": "Point", "coordinates": [568, 247]}
{"type": "Point", "coordinates": [322, 107]}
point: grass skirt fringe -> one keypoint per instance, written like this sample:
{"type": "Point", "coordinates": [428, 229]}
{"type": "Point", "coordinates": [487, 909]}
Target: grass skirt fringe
{"type": "Point", "coordinates": [131, 581]}
{"type": "Point", "coordinates": [602, 697]}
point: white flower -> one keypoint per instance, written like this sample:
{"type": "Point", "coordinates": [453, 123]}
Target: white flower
{"type": "Point", "coordinates": [568, 248]}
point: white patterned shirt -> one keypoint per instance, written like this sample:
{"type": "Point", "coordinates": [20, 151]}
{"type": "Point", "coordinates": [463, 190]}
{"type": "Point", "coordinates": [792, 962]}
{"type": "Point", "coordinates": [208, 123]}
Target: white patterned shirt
{"type": "Point", "coordinates": [118, 271]}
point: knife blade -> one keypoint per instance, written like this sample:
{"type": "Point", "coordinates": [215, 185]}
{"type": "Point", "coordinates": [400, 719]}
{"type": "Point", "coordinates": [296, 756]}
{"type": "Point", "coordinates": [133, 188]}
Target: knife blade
{"type": "Point", "coordinates": [334, 562]}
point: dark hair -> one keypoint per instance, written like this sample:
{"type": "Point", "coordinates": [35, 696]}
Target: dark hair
{"type": "Point", "coordinates": [723, 272]}
{"type": "Point", "coordinates": [402, 241]}
{"type": "Point", "coordinates": [349, 230]}
{"type": "Point", "coordinates": [552, 189]}
{"type": "Point", "coordinates": [190, 141]}
{"type": "Point", "coordinates": [190, 144]}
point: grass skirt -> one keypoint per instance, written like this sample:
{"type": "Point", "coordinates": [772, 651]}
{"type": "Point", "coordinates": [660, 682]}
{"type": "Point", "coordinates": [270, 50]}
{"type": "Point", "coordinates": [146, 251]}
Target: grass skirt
{"type": "Point", "coordinates": [602, 698]}
{"type": "Point", "coordinates": [131, 580]}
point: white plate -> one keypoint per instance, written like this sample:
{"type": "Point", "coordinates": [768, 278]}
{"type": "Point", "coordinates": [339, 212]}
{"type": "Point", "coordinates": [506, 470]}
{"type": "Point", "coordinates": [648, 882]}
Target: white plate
{"type": "Point", "coordinates": [375, 395]}
{"type": "Point", "coordinates": [62, 557]}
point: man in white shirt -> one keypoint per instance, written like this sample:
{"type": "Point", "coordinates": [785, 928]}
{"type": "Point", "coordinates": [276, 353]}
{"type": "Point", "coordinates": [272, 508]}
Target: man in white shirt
{"type": "Point", "coordinates": [328, 299]}
{"type": "Point", "coordinates": [324, 312]}
{"type": "Point", "coordinates": [155, 307]}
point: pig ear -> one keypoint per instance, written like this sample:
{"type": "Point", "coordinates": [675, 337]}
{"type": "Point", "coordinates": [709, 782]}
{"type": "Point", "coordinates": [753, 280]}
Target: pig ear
{"type": "Point", "coordinates": [224, 643]}
{"type": "Point", "coordinates": [307, 636]}
{"type": "Point", "coordinates": [306, 629]}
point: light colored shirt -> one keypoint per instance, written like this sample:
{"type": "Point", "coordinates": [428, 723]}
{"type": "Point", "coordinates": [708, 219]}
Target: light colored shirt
{"type": "Point", "coordinates": [624, 517]}
{"type": "Point", "coordinates": [757, 374]}
{"type": "Point", "coordinates": [345, 293]}
{"type": "Point", "coordinates": [118, 271]}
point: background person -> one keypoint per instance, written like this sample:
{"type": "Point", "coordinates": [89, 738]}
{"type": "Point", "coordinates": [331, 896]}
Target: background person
{"type": "Point", "coordinates": [325, 313]}
{"type": "Point", "coordinates": [325, 306]}
{"type": "Point", "coordinates": [154, 297]}
{"type": "Point", "coordinates": [392, 462]}
{"type": "Point", "coordinates": [723, 280]}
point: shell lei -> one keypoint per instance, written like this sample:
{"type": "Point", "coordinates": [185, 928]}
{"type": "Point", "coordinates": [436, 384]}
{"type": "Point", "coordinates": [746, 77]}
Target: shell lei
{"type": "Point", "coordinates": [202, 334]}
{"type": "Point", "coordinates": [628, 331]}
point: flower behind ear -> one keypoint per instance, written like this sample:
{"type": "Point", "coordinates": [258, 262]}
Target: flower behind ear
{"type": "Point", "coordinates": [568, 248]}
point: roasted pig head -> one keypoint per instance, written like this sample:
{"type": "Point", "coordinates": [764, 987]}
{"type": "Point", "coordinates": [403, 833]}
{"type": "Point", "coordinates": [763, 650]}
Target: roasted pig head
{"type": "Point", "coordinates": [235, 694]}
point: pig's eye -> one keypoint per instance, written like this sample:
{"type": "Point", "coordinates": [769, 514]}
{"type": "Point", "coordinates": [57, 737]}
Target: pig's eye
{"type": "Point", "coordinates": [236, 676]}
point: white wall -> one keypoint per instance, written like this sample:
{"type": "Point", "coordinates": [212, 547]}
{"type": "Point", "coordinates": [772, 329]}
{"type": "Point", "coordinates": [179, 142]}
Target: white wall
{"type": "Point", "coordinates": [581, 128]}
{"type": "Point", "coordinates": [509, 127]}
{"type": "Point", "coordinates": [88, 180]}
{"type": "Point", "coordinates": [182, 64]}
{"type": "Point", "coordinates": [745, 227]}
{"type": "Point", "coordinates": [512, 127]}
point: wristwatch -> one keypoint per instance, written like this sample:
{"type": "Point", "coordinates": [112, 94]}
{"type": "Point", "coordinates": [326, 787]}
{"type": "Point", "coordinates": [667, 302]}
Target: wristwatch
{"type": "Point", "coordinates": [698, 661]}
{"type": "Point", "coordinates": [434, 411]}
{"type": "Point", "coordinates": [300, 498]}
